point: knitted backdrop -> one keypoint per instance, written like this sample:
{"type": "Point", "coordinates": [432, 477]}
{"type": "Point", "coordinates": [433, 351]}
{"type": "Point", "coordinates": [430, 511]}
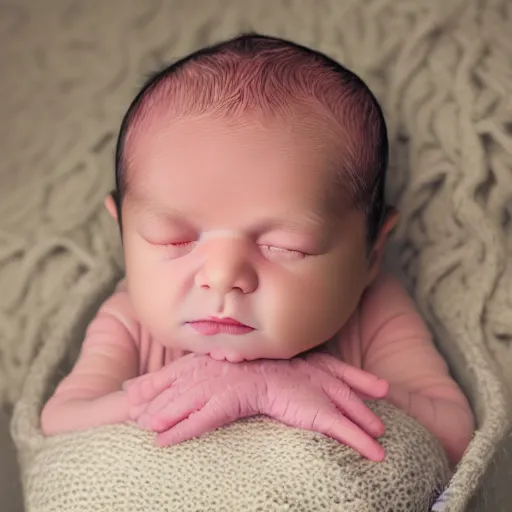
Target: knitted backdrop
{"type": "Point", "coordinates": [442, 71]}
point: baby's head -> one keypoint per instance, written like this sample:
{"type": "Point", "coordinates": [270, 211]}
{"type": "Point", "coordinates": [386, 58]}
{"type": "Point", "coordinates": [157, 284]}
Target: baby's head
{"type": "Point", "coordinates": [250, 184]}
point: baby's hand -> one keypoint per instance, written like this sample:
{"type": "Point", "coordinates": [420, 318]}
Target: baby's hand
{"type": "Point", "coordinates": [196, 394]}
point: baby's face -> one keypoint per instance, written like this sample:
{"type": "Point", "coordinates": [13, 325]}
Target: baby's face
{"type": "Point", "coordinates": [231, 222]}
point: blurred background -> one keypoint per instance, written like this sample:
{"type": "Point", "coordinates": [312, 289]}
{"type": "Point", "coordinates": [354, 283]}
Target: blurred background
{"type": "Point", "coordinates": [69, 69]}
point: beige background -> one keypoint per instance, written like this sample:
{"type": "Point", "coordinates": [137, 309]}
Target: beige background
{"type": "Point", "coordinates": [67, 71]}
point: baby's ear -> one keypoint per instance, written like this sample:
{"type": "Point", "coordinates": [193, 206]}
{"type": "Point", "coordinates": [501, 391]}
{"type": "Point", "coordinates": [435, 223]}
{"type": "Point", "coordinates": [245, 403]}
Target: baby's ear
{"type": "Point", "coordinates": [375, 259]}
{"type": "Point", "coordinates": [110, 205]}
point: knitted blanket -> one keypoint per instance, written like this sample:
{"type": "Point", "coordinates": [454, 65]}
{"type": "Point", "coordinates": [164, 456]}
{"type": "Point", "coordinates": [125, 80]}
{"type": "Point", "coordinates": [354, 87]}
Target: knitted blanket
{"type": "Point", "coordinates": [254, 465]}
{"type": "Point", "coordinates": [442, 72]}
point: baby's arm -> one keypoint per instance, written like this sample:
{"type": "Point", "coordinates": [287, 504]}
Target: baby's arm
{"type": "Point", "coordinates": [397, 346]}
{"type": "Point", "coordinates": [91, 395]}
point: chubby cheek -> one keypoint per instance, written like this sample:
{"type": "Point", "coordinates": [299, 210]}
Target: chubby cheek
{"type": "Point", "coordinates": [303, 313]}
{"type": "Point", "coordinates": [152, 286]}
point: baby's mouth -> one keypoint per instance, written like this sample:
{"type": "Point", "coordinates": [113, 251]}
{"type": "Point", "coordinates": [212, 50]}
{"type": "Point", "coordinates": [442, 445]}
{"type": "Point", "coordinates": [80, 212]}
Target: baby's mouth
{"type": "Point", "coordinates": [215, 325]}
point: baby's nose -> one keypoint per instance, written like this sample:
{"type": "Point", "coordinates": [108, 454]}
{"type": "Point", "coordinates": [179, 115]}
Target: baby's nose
{"type": "Point", "coordinates": [227, 267]}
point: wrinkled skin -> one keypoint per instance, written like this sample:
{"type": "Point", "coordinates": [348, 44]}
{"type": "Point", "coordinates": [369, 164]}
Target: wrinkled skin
{"type": "Point", "coordinates": [196, 394]}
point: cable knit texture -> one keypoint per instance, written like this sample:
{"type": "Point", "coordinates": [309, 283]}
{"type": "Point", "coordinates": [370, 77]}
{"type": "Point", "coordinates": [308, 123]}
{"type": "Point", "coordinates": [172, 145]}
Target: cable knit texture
{"type": "Point", "coordinates": [442, 70]}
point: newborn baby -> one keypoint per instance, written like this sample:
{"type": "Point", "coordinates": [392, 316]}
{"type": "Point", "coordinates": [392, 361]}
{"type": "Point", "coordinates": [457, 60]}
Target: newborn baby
{"type": "Point", "coordinates": [250, 196]}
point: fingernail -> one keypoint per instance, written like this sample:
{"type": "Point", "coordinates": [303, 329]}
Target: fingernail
{"type": "Point", "coordinates": [385, 386]}
{"type": "Point", "coordinates": [380, 455]}
{"type": "Point", "coordinates": [380, 430]}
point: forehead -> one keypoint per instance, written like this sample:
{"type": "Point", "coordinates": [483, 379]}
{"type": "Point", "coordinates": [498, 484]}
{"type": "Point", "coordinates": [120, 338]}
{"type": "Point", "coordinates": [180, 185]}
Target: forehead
{"type": "Point", "coordinates": [209, 164]}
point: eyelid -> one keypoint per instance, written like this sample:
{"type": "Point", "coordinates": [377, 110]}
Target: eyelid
{"type": "Point", "coordinates": [284, 252]}
{"type": "Point", "coordinates": [279, 248]}
{"type": "Point", "coordinates": [178, 249]}
{"type": "Point", "coordinates": [164, 237]}
{"type": "Point", "coordinates": [182, 243]}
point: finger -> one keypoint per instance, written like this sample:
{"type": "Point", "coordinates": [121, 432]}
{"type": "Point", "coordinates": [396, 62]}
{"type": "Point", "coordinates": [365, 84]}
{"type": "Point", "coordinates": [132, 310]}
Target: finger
{"type": "Point", "coordinates": [360, 380]}
{"type": "Point", "coordinates": [326, 419]}
{"type": "Point", "coordinates": [127, 384]}
{"type": "Point", "coordinates": [146, 388]}
{"type": "Point", "coordinates": [334, 425]}
{"type": "Point", "coordinates": [207, 419]}
{"type": "Point", "coordinates": [172, 407]}
{"type": "Point", "coordinates": [357, 378]}
{"type": "Point", "coordinates": [131, 386]}
{"type": "Point", "coordinates": [170, 415]}
{"type": "Point", "coordinates": [347, 401]}
{"type": "Point", "coordinates": [192, 368]}
{"type": "Point", "coordinates": [166, 397]}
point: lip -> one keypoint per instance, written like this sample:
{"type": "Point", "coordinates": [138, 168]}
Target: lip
{"type": "Point", "coordinates": [224, 321]}
{"type": "Point", "coordinates": [216, 325]}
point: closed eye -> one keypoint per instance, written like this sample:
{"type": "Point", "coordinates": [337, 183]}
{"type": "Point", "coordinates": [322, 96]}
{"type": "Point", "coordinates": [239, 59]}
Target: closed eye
{"type": "Point", "coordinates": [177, 249]}
{"type": "Point", "coordinates": [273, 252]}
{"type": "Point", "coordinates": [182, 244]}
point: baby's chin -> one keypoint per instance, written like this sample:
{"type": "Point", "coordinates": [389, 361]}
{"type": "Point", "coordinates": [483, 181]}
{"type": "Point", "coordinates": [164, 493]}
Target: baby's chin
{"type": "Point", "coordinates": [221, 355]}
{"type": "Point", "coordinates": [234, 349]}
{"type": "Point", "coordinates": [220, 352]}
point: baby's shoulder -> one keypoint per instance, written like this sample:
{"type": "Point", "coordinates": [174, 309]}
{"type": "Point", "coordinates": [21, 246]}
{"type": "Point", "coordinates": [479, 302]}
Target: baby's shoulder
{"type": "Point", "coordinates": [384, 299]}
{"type": "Point", "coordinates": [386, 307]}
{"type": "Point", "coordinates": [385, 296]}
